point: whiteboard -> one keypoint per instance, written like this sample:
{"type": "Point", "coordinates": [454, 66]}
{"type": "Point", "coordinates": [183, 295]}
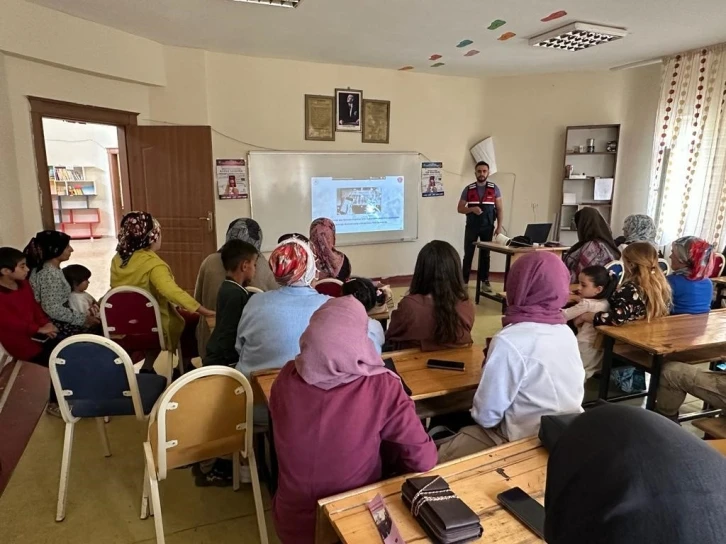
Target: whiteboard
{"type": "Point", "coordinates": [281, 186]}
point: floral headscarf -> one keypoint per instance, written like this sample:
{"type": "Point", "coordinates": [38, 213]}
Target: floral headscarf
{"type": "Point", "coordinates": [245, 229]}
{"type": "Point", "coordinates": [138, 231]}
{"type": "Point", "coordinates": [322, 241]}
{"type": "Point", "coordinates": [46, 245]}
{"type": "Point", "coordinates": [639, 228]}
{"type": "Point", "coordinates": [696, 254]}
{"type": "Point", "coordinates": [293, 263]}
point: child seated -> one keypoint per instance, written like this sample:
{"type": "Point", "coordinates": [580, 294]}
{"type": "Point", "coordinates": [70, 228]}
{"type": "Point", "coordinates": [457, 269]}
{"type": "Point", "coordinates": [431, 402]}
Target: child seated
{"type": "Point", "coordinates": [26, 333]}
{"type": "Point", "coordinates": [596, 286]}
{"type": "Point", "coordinates": [367, 294]}
{"type": "Point", "coordinates": [78, 277]}
{"type": "Point", "coordinates": [692, 263]}
{"type": "Point", "coordinates": [240, 262]}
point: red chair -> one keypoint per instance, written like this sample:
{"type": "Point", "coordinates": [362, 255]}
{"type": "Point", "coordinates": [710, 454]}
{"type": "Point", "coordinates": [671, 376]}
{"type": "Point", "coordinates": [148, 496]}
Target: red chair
{"type": "Point", "coordinates": [718, 265]}
{"type": "Point", "coordinates": [330, 286]}
{"type": "Point", "coordinates": [130, 317]}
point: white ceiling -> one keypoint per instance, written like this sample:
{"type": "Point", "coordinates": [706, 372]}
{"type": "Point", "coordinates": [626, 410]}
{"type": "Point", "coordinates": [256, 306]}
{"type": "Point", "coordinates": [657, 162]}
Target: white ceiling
{"type": "Point", "coordinates": [396, 33]}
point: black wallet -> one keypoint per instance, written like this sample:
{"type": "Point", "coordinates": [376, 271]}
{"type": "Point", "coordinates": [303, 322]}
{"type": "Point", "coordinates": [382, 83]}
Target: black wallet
{"type": "Point", "coordinates": [444, 517]}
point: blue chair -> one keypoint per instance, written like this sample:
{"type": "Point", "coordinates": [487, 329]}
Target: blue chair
{"type": "Point", "coordinates": [616, 267]}
{"type": "Point", "coordinates": [93, 377]}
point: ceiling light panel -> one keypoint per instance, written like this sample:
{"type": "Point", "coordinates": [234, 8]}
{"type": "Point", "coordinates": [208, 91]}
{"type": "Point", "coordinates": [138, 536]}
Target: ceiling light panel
{"type": "Point", "coordinates": [577, 37]}
{"type": "Point", "coordinates": [276, 3]}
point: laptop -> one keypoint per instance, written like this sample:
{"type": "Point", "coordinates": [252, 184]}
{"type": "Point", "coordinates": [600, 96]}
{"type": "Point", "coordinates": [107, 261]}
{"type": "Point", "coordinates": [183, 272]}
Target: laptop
{"type": "Point", "coordinates": [538, 232]}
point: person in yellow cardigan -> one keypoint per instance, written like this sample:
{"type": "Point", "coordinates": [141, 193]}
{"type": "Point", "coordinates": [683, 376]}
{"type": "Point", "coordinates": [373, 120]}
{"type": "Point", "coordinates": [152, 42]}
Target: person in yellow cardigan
{"type": "Point", "coordinates": [137, 264]}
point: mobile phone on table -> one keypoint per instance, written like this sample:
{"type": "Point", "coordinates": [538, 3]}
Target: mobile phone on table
{"type": "Point", "coordinates": [523, 507]}
{"type": "Point", "coordinates": [445, 365]}
{"type": "Point", "coordinates": [40, 338]}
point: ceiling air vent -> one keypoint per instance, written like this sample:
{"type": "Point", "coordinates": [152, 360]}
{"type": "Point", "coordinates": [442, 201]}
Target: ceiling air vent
{"type": "Point", "coordinates": [277, 3]}
{"type": "Point", "coordinates": [577, 36]}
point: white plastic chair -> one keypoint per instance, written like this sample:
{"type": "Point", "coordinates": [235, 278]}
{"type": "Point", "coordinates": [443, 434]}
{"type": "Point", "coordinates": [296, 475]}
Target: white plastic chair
{"type": "Point", "coordinates": [254, 290]}
{"type": "Point", "coordinates": [205, 414]}
{"type": "Point", "coordinates": [88, 383]}
{"type": "Point", "coordinates": [664, 266]}
{"type": "Point", "coordinates": [329, 286]}
{"type": "Point", "coordinates": [719, 262]}
{"type": "Point", "coordinates": [125, 323]}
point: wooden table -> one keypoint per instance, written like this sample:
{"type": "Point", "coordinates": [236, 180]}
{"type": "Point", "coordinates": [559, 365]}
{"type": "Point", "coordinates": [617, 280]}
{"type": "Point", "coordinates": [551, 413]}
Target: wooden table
{"type": "Point", "coordinates": [663, 338]}
{"type": "Point", "coordinates": [476, 479]}
{"type": "Point", "coordinates": [511, 254]}
{"type": "Point", "coordinates": [719, 445]}
{"type": "Point", "coordinates": [425, 383]}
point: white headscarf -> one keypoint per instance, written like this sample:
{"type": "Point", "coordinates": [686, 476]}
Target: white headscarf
{"type": "Point", "coordinates": [293, 263]}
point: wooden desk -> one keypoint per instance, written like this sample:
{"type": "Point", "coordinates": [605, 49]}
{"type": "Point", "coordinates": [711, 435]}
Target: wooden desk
{"type": "Point", "coordinates": [719, 445]}
{"type": "Point", "coordinates": [511, 254]}
{"type": "Point", "coordinates": [661, 338]}
{"type": "Point", "coordinates": [425, 383]}
{"type": "Point", "coordinates": [476, 479]}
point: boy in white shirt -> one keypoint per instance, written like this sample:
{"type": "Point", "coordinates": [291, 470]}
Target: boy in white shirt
{"type": "Point", "coordinates": [533, 367]}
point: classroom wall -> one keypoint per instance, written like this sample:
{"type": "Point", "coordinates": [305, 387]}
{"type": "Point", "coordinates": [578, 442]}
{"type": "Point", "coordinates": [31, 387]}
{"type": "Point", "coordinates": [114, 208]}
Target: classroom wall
{"type": "Point", "coordinates": [260, 101]}
{"type": "Point", "coordinates": [77, 144]}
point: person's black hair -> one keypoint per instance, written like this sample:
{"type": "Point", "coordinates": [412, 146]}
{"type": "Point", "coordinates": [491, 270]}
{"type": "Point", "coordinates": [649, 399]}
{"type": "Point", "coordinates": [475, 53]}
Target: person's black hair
{"type": "Point", "coordinates": [76, 274]}
{"type": "Point", "coordinates": [10, 258]}
{"type": "Point", "coordinates": [297, 235]}
{"type": "Point", "coordinates": [601, 277]}
{"type": "Point", "coordinates": [235, 252]}
{"type": "Point", "coordinates": [482, 163]}
{"type": "Point", "coordinates": [438, 273]}
{"type": "Point", "coordinates": [363, 290]}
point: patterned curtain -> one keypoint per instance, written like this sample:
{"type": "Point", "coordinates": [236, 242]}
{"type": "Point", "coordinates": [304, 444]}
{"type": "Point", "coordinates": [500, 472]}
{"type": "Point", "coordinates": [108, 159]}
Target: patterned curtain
{"type": "Point", "coordinates": [688, 183]}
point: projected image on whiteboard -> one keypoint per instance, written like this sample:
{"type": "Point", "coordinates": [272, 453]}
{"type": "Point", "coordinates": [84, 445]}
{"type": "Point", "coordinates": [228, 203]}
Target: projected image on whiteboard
{"type": "Point", "coordinates": [359, 205]}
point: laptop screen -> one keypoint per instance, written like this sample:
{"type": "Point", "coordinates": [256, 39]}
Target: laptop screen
{"type": "Point", "coordinates": [538, 232]}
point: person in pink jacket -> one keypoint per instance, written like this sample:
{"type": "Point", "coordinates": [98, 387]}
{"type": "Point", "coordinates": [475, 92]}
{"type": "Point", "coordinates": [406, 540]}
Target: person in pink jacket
{"type": "Point", "coordinates": [341, 420]}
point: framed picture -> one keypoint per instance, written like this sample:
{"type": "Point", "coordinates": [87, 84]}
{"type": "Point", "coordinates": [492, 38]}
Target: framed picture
{"type": "Point", "coordinates": [347, 110]}
{"type": "Point", "coordinates": [376, 121]}
{"type": "Point", "coordinates": [319, 118]}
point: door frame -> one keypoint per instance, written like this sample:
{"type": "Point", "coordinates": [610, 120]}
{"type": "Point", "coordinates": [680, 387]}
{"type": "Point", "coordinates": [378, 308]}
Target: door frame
{"type": "Point", "coordinates": [56, 109]}
{"type": "Point", "coordinates": [117, 192]}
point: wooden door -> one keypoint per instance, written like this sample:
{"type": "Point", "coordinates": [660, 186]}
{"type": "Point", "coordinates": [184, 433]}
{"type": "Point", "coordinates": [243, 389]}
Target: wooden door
{"type": "Point", "coordinates": [171, 176]}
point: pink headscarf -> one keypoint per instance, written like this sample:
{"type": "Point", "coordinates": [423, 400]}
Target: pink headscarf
{"type": "Point", "coordinates": [538, 286]}
{"type": "Point", "coordinates": [335, 348]}
{"type": "Point", "coordinates": [322, 241]}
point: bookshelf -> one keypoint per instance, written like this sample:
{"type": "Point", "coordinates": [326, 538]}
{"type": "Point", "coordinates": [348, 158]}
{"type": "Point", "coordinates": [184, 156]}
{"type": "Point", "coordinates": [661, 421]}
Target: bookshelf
{"type": "Point", "coordinates": [588, 178]}
{"type": "Point", "coordinates": [72, 191]}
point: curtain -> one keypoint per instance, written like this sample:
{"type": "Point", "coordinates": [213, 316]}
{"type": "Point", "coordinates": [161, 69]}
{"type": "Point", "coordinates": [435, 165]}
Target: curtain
{"type": "Point", "coordinates": [688, 175]}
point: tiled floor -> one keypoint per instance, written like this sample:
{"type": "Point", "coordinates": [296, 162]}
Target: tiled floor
{"type": "Point", "coordinates": [104, 493]}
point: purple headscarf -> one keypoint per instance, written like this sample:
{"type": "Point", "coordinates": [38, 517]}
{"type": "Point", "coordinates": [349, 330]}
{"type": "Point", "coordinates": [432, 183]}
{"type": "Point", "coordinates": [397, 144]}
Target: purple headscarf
{"type": "Point", "coordinates": [538, 286]}
{"type": "Point", "coordinates": [335, 348]}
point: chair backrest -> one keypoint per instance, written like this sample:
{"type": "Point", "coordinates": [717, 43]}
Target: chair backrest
{"type": "Point", "coordinates": [664, 266]}
{"type": "Point", "coordinates": [204, 414]}
{"type": "Point", "coordinates": [330, 286]}
{"type": "Point", "coordinates": [91, 368]}
{"type": "Point", "coordinates": [718, 265]}
{"type": "Point", "coordinates": [617, 268]}
{"type": "Point", "coordinates": [251, 289]}
{"type": "Point", "coordinates": [5, 357]}
{"type": "Point", "coordinates": [130, 316]}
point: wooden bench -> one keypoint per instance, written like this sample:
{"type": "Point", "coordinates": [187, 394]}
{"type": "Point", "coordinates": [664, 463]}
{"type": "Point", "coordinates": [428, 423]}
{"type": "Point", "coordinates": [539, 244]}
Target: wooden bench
{"type": "Point", "coordinates": [713, 427]}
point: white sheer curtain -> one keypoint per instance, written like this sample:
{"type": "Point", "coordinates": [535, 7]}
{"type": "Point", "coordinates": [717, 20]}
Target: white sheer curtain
{"type": "Point", "coordinates": [688, 175]}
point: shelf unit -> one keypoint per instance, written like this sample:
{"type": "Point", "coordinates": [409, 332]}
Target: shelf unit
{"type": "Point", "coordinates": [597, 165]}
{"type": "Point", "coordinates": [72, 206]}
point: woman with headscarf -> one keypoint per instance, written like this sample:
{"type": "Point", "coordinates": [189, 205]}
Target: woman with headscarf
{"type": "Point", "coordinates": [533, 367]}
{"type": "Point", "coordinates": [624, 475]}
{"type": "Point", "coordinates": [212, 274]}
{"type": "Point", "coordinates": [269, 332]}
{"type": "Point", "coordinates": [331, 262]}
{"type": "Point", "coordinates": [637, 228]}
{"type": "Point", "coordinates": [136, 264]}
{"type": "Point", "coordinates": [44, 255]}
{"type": "Point", "coordinates": [595, 244]}
{"type": "Point", "coordinates": [691, 263]}
{"type": "Point", "coordinates": [341, 419]}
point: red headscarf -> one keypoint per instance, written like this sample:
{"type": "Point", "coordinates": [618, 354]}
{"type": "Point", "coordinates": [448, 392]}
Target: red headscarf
{"type": "Point", "coordinates": [293, 263]}
{"type": "Point", "coordinates": [322, 241]}
{"type": "Point", "coordinates": [538, 286]}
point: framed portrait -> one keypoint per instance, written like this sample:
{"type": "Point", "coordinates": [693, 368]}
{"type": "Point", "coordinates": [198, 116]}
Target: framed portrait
{"type": "Point", "coordinates": [319, 118]}
{"type": "Point", "coordinates": [376, 121]}
{"type": "Point", "coordinates": [347, 110]}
